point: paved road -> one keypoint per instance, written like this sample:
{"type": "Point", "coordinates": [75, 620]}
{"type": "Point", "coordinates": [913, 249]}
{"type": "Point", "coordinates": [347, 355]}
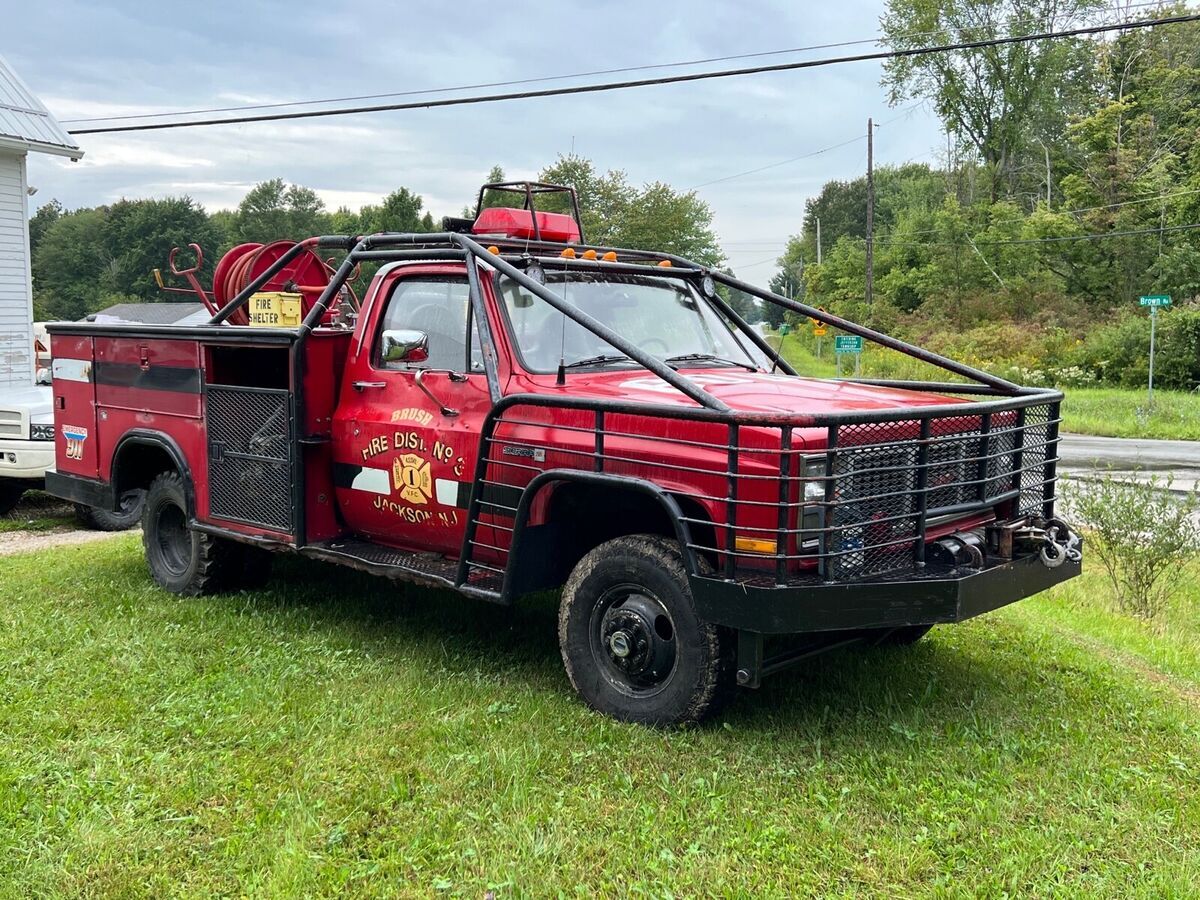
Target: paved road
{"type": "Point", "coordinates": [1079, 454]}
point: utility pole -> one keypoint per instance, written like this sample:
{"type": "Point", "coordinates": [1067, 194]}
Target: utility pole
{"type": "Point", "coordinates": [819, 241]}
{"type": "Point", "coordinates": [870, 211]}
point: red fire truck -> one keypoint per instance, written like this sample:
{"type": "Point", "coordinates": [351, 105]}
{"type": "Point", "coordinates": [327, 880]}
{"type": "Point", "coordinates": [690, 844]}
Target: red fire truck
{"type": "Point", "coordinates": [509, 410]}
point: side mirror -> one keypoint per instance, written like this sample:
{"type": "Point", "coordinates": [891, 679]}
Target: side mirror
{"type": "Point", "coordinates": [404, 345]}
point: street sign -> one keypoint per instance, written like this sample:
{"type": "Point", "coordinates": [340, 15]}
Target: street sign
{"type": "Point", "coordinates": [820, 331]}
{"type": "Point", "coordinates": [785, 329]}
{"type": "Point", "coordinates": [847, 343]}
{"type": "Point", "coordinates": [1154, 301]}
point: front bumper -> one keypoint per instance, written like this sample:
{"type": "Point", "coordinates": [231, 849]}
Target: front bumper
{"type": "Point", "coordinates": [931, 596]}
{"type": "Point", "coordinates": [25, 459]}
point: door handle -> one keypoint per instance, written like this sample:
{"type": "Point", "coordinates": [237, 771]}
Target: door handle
{"type": "Point", "coordinates": [363, 385]}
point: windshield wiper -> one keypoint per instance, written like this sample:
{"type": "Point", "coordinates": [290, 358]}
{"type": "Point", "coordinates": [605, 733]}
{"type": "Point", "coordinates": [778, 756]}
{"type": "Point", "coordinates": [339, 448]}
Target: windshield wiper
{"type": "Point", "coordinates": [601, 359]}
{"type": "Point", "coordinates": [709, 357]}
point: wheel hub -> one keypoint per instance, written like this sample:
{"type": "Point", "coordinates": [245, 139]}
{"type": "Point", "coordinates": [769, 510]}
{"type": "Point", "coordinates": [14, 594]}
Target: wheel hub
{"type": "Point", "coordinates": [627, 637]}
{"type": "Point", "coordinates": [635, 637]}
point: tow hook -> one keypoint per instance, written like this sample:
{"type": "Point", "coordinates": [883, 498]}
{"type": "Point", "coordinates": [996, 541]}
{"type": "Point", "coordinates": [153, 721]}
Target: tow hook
{"type": "Point", "coordinates": [1054, 540]}
{"type": "Point", "coordinates": [1061, 544]}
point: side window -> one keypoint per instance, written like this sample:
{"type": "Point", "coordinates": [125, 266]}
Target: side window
{"type": "Point", "coordinates": [439, 306]}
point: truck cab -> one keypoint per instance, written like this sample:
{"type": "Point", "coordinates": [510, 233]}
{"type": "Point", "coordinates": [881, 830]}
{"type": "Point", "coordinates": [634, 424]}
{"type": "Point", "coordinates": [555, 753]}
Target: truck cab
{"type": "Point", "coordinates": [508, 409]}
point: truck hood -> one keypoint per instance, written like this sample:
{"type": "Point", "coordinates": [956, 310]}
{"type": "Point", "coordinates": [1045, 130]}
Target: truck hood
{"type": "Point", "coordinates": [36, 401]}
{"type": "Point", "coordinates": [758, 392]}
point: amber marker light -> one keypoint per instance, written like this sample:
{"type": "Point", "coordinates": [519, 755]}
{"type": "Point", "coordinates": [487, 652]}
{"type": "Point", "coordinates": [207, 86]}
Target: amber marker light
{"type": "Point", "coordinates": [610, 256]}
{"type": "Point", "coordinates": [754, 545]}
{"type": "Point", "coordinates": [569, 253]}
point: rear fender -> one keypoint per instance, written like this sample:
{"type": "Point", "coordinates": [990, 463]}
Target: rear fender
{"type": "Point", "coordinates": [132, 467]}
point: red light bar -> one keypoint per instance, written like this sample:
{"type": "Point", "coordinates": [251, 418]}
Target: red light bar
{"type": "Point", "coordinates": [518, 223]}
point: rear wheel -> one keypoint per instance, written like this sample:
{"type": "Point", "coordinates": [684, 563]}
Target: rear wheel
{"type": "Point", "coordinates": [11, 492]}
{"type": "Point", "coordinates": [182, 560]}
{"type": "Point", "coordinates": [631, 642]}
{"type": "Point", "coordinates": [128, 515]}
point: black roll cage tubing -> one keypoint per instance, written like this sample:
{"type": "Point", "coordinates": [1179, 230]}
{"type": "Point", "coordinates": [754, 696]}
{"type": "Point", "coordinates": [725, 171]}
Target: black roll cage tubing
{"type": "Point", "coordinates": [451, 246]}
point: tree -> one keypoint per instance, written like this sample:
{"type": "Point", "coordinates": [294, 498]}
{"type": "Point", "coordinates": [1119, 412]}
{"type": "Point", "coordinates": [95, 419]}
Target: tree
{"type": "Point", "coordinates": [40, 222]}
{"type": "Point", "coordinates": [138, 236]}
{"type": "Point", "coordinates": [274, 210]}
{"type": "Point", "coordinates": [71, 261]}
{"type": "Point", "coordinates": [993, 98]}
{"type": "Point", "coordinates": [654, 217]}
{"type": "Point", "coordinates": [400, 211]}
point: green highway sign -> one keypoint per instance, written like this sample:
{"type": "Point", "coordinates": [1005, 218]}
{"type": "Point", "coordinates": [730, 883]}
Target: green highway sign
{"type": "Point", "coordinates": [847, 343]}
{"type": "Point", "coordinates": [1155, 300]}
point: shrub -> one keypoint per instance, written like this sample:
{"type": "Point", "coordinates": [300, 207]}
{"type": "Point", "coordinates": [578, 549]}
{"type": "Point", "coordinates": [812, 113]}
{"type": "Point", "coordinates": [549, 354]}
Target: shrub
{"type": "Point", "coordinates": [1118, 353]}
{"type": "Point", "coordinates": [1143, 536]}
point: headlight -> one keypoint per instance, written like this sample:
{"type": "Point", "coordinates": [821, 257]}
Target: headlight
{"type": "Point", "coordinates": [38, 432]}
{"type": "Point", "coordinates": [814, 479]}
{"type": "Point", "coordinates": [814, 492]}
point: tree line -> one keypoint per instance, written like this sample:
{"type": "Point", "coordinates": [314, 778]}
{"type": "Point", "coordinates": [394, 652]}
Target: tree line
{"type": "Point", "coordinates": [1069, 186]}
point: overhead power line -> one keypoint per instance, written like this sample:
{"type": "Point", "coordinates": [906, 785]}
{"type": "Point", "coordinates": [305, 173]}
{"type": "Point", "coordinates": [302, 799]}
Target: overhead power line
{"type": "Point", "coordinates": [650, 82]}
{"type": "Point", "coordinates": [491, 84]}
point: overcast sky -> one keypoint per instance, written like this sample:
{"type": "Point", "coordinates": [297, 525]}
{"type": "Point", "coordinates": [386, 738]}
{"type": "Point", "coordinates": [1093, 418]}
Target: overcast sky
{"type": "Point", "coordinates": [114, 58]}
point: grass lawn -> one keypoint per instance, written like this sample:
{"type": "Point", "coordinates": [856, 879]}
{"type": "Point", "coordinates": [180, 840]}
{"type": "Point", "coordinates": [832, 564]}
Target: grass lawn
{"type": "Point", "coordinates": [1115, 412]}
{"type": "Point", "coordinates": [337, 734]}
{"type": "Point", "coordinates": [1109, 412]}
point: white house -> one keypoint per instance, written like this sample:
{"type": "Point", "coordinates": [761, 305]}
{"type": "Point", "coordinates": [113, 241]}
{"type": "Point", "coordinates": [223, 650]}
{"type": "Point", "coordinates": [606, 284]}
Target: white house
{"type": "Point", "coordinates": [25, 126]}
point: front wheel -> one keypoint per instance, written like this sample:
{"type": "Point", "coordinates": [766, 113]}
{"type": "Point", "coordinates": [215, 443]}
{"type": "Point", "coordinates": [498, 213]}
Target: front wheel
{"type": "Point", "coordinates": [631, 642]}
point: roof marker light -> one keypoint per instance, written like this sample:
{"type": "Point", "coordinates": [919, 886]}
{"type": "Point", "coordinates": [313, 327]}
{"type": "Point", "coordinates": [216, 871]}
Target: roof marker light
{"type": "Point", "coordinates": [494, 250]}
{"type": "Point", "coordinates": [610, 256]}
{"type": "Point", "coordinates": [569, 253]}
{"type": "Point", "coordinates": [589, 254]}
{"type": "Point", "coordinates": [664, 264]}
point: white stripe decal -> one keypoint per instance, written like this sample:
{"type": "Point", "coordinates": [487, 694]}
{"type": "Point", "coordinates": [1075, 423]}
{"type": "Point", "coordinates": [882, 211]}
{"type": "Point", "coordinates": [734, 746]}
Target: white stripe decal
{"type": "Point", "coordinates": [377, 481]}
{"type": "Point", "coordinates": [447, 491]}
{"type": "Point", "coordinates": [72, 370]}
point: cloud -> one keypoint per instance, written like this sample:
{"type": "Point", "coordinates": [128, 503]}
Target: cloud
{"type": "Point", "coordinates": [124, 56]}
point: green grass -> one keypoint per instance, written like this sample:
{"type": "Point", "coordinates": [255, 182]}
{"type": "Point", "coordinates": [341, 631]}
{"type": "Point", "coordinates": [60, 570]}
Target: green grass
{"type": "Point", "coordinates": [38, 511]}
{"type": "Point", "coordinates": [1115, 412]}
{"type": "Point", "coordinates": [341, 735]}
{"type": "Point", "coordinates": [1109, 412]}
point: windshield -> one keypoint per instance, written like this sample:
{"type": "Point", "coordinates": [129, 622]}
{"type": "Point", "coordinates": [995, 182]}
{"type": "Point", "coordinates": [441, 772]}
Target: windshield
{"type": "Point", "coordinates": [664, 318]}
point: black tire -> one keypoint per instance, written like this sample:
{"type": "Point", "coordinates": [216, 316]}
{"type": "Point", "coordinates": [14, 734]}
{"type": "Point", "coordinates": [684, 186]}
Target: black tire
{"type": "Point", "coordinates": [904, 636]}
{"type": "Point", "coordinates": [129, 515]}
{"type": "Point", "coordinates": [11, 492]}
{"type": "Point", "coordinates": [181, 560]}
{"type": "Point", "coordinates": [631, 642]}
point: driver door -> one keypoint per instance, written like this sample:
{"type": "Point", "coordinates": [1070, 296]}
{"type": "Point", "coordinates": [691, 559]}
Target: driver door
{"type": "Point", "coordinates": [408, 429]}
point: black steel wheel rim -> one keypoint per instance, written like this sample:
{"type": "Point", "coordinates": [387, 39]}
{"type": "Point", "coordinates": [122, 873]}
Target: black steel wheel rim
{"type": "Point", "coordinates": [172, 538]}
{"type": "Point", "coordinates": [633, 640]}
